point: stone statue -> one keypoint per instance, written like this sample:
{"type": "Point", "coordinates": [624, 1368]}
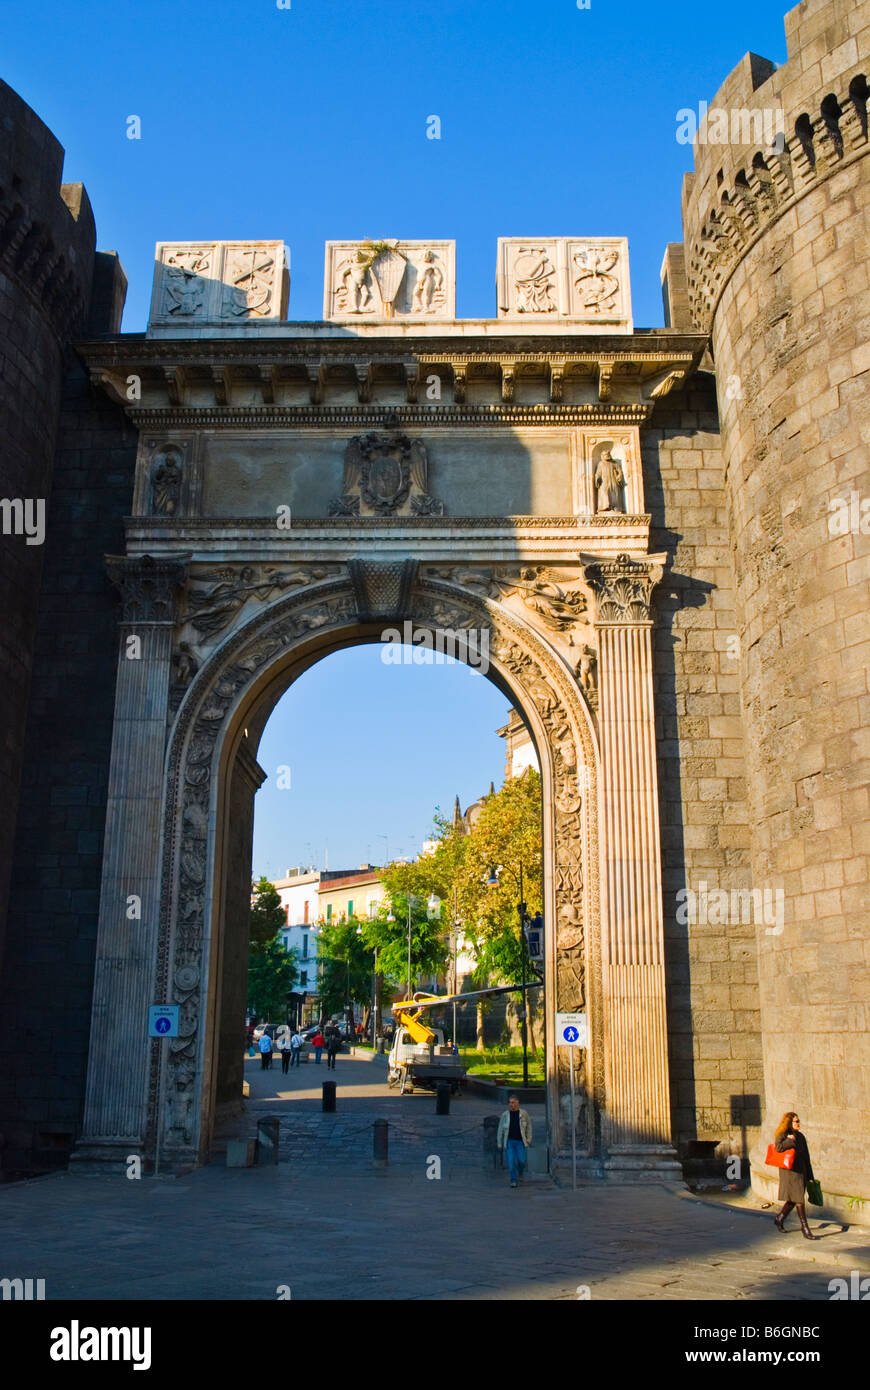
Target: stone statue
{"type": "Point", "coordinates": [429, 284]}
{"type": "Point", "coordinates": [609, 483]}
{"type": "Point", "coordinates": [166, 482]}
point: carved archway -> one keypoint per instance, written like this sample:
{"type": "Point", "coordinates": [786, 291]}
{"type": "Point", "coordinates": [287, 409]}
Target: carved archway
{"type": "Point", "coordinates": [257, 661]}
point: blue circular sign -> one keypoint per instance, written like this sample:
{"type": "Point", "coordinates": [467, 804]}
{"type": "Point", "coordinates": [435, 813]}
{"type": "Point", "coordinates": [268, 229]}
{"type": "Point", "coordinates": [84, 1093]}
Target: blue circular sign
{"type": "Point", "coordinates": [162, 1025]}
{"type": "Point", "coordinates": [570, 1034]}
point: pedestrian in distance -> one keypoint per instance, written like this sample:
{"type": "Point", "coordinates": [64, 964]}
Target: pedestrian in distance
{"type": "Point", "coordinates": [265, 1052]}
{"type": "Point", "coordinates": [318, 1042]}
{"type": "Point", "coordinates": [333, 1042]}
{"type": "Point", "coordinates": [295, 1050]}
{"type": "Point", "coordinates": [514, 1135]}
{"type": "Point", "coordinates": [793, 1182]}
{"type": "Point", "coordinates": [284, 1046]}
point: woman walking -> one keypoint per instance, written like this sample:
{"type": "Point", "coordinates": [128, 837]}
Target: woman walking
{"type": "Point", "coordinates": [793, 1182]}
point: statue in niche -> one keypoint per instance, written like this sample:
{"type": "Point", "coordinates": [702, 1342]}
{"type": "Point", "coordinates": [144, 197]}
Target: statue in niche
{"type": "Point", "coordinates": [609, 484]}
{"type": "Point", "coordinates": [166, 482]}
{"type": "Point", "coordinates": [429, 286]}
{"type": "Point", "coordinates": [533, 272]}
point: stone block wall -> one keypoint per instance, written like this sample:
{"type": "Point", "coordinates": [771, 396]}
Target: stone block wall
{"type": "Point", "coordinates": [46, 261]}
{"type": "Point", "coordinates": [712, 985]}
{"type": "Point", "coordinates": [46, 982]}
{"type": "Point", "coordinates": [778, 270]}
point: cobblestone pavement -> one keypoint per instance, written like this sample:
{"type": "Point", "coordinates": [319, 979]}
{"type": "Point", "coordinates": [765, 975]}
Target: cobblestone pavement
{"type": "Point", "coordinates": [327, 1224]}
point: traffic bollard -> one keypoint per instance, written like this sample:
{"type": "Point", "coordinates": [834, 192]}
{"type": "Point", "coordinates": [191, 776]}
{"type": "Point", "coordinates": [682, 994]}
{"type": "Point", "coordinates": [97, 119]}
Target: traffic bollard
{"type": "Point", "coordinates": [442, 1098]}
{"type": "Point", "coordinates": [267, 1139]}
{"type": "Point", "coordinates": [380, 1144]}
{"type": "Point", "coordinates": [490, 1134]}
{"type": "Point", "coordinates": [329, 1096]}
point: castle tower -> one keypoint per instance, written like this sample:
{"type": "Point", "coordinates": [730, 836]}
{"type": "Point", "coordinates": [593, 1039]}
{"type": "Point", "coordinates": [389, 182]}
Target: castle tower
{"type": "Point", "coordinates": [776, 249]}
{"type": "Point", "coordinates": [47, 243]}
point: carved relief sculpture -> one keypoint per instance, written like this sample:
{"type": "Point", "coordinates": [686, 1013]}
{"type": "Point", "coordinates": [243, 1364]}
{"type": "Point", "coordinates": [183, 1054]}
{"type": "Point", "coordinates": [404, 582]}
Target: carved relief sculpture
{"type": "Point", "coordinates": [383, 472]}
{"type": "Point", "coordinates": [218, 281]}
{"type": "Point", "coordinates": [534, 281]}
{"type": "Point", "coordinates": [183, 285]}
{"type": "Point", "coordinates": [250, 271]}
{"type": "Point", "coordinates": [390, 279]}
{"type": "Point", "coordinates": [596, 286]}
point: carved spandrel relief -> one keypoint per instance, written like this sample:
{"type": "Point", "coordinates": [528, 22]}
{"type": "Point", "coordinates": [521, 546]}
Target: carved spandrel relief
{"type": "Point", "coordinates": [411, 280]}
{"type": "Point", "coordinates": [202, 283]}
{"type": "Point", "coordinates": [578, 280]}
{"type": "Point", "coordinates": [215, 600]}
{"type": "Point", "coordinates": [385, 475]}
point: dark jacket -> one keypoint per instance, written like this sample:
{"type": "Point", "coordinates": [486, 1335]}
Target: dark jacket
{"type": "Point", "coordinates": [802, 1163]}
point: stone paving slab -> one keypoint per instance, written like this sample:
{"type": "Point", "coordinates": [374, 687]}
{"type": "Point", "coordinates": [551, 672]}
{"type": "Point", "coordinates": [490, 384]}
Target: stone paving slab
{"type": "Point", "coordinates": [387, 1234]}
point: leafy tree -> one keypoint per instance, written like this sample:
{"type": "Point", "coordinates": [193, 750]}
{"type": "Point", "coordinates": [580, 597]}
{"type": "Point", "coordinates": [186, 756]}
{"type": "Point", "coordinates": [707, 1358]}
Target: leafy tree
{"type": "Point", "coordinates": [272, 973]}
{"type": "Point", "coordinates": [346, 965]}
{"type": "Point", "coordinates": [267, 913]}
{"type": "Point", "coordinates": [505, 838]}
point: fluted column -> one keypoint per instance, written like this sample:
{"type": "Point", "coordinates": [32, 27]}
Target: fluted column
{"type": "Point", "coordinates": [116, 1095]}
{"type": "Point", "coordinates": [637, 1124]}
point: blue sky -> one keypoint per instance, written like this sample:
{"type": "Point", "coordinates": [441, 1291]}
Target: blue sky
{"type": "Point", "coordinates": [308, 124]}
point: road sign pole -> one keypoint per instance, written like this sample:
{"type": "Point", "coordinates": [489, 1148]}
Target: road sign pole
{"type": "Point", "coordinates": [159, 1118]}
{"type": "Point", "coordinates": [573, 1123]}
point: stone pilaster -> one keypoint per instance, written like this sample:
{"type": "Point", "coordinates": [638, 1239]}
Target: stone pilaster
{"type": "Point", "coordinates": [116, 1095]}
{"type": "Point", "coordinates": [637, 1132]}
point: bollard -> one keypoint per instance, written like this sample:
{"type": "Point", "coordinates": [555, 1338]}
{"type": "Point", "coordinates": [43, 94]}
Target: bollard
{"type": "Point", "coordinates": [329, 1097]}
{"type": "Point", "coordinates": [380, 1144]}
{"type": "Point", "coordinates": [267, 1139]}
{"type": "Point", "coordinates": [442, 1098]}
{"type": "Point", "coordinates": [490, 1134]}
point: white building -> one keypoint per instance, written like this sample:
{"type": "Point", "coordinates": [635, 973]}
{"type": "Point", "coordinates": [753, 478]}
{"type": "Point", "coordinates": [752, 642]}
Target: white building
{"type": "Point", "coordinates": [299, 892]}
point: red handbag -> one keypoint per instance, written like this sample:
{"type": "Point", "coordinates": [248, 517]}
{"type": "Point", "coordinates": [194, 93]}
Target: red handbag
{"type": "Point", "coordinates": [780, 1160]}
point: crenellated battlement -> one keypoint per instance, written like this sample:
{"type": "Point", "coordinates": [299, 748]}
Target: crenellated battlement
{"type": "Point", "coordinates": [47, 232]}
{"type": "Point", "coordinates": [801, 123]}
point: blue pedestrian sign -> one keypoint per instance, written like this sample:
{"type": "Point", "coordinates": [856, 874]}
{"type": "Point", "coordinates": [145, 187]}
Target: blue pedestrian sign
{"type": "Point", "coordinates": [163, 1021]}
{"type": "Point", "coordinates": [572, 1030]}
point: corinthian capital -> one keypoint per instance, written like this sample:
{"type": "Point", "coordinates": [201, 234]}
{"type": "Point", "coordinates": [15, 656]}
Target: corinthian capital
{"type": "Point", "coordinates": [623, 587]}
{"type": "Point", "coordinates": [147, 585]}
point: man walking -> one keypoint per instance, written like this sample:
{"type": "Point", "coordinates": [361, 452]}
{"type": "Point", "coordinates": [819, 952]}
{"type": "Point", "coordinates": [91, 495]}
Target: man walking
{"type": "Point", "coordinates": [284, 1046]}
{"type": "Point", "coordinates": [265, 1052]}
{"type": "Point", "coordinates": [514, 1135]}
{"type": "Point", "coordinates": [295, 1050]}
{"type": "Point", "coordinates": [333, 1042]}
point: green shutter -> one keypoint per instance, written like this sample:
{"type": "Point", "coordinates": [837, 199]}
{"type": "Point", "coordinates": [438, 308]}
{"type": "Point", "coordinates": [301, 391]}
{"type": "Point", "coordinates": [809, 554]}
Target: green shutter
{"type": "Point", "coordinates": [328, 912]}
{"type": "Point", "coordinates": [350, 907]}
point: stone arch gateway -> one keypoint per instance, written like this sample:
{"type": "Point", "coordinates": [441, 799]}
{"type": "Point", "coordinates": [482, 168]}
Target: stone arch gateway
{"type": "Point", "coordinates": [622, 1117]}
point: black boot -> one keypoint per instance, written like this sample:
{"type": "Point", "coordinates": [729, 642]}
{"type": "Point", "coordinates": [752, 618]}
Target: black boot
{"type": "Point", "coordinates": [779, 1220]}
{"type": "Point", "coordinates": [805, 1225]}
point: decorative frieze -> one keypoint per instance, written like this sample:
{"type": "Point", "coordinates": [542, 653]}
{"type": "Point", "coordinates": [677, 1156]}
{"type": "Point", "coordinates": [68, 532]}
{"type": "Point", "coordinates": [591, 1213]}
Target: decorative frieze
{"type": "Point", "coordinates": [382, 280]}
{"type": "Point", "coordinates": [584, 279]}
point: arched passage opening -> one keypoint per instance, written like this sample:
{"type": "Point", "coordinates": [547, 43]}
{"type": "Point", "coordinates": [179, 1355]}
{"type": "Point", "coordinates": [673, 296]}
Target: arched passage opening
{"type": "Point", "coordinates": [370, 736]}
{"type": "Point", "coordinates": [211, 758]}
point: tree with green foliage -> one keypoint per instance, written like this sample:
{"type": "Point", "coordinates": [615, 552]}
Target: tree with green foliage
{"type": "Point", "coordinates": [272, 969]}
{"type": "Point", "coordinates": [267, 913]}
{"type": "Point", "coordinates": [347, 964]}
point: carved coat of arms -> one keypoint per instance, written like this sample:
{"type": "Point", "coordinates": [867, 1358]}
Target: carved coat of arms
{"type": "Point", "coordinates": [381, 472]}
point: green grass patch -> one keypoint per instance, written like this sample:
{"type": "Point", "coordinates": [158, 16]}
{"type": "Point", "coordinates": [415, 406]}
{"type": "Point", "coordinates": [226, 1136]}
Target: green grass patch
{"type": "Point", "coordinates": [506, 1062]}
